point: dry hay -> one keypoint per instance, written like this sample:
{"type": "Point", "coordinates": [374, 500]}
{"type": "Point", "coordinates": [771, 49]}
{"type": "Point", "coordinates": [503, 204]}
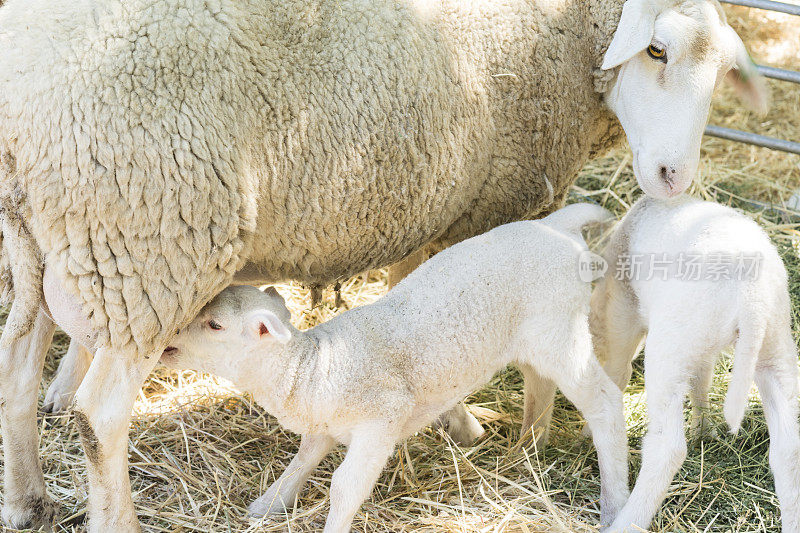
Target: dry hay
{"type": "Point", "coordinates": [200, 452]}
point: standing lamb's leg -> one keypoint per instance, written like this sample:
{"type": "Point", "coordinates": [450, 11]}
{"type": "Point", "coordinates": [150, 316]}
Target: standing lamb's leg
{"type": "Point", "coordinates": [353, 481]}
{"type": "Point", "coordinates": [699, 386]}
{"type": "Point", "coordinates": [26, 504]}
{"type": "Point", "coordinates": [668, 363]}
{"type": "Point", "coordinates": [103, 406]}
{"type": "Point", "coordinates": [776, 378]}
{"type": "Point", "coordinates": [282, 493]}
{"type": "Point", "coordinates": [616, 330]}
{"type": "Point", "coordinates": [70, 373]}
{"type": "Point", "coordinates": [539, 396]}
{"type": "Point", "coordinates": [571, 364]}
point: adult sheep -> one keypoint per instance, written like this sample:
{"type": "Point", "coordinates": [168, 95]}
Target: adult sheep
{"type": "Point", "coordinates": [161, 149]}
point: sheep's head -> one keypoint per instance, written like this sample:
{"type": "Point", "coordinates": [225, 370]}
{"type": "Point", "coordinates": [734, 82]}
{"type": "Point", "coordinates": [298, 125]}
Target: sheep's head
{"type": "Point", "coordinates": [240, 325]}
{"type": "Point", "coordinates": [670, 57]}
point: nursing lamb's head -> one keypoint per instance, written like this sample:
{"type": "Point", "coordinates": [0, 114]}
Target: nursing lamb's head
{"type": "Point", "coordinates": [670, 56]}
{"type": "Point", "coordinates": [239, 326]}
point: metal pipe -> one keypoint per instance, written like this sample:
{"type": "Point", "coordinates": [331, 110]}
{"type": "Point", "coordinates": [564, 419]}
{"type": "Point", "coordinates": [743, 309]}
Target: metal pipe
{"type": "Point", "coordinates": [753, 138]}
{"type": "Point", "coordinates": [779, 74]}
{"type": "Point", "coordinates": [769, 5]}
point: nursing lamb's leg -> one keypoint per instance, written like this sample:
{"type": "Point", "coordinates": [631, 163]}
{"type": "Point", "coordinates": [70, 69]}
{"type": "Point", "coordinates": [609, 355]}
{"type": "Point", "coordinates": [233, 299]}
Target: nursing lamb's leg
{"type": "Point", "coordinates": [103, 405]}
{"type": "Point", "coordinates": [281, 494]}
{"type": "Point", "coordinates": [70, 373]}
{"type": "Point", "coordinates": [461, 425]}
{"type": "Point", "coordinates": [570, 362]}
{"type": "Point", "coordinates": [353, 481]}
{"type": "Point", "coordinates": [539, 395]}
{"type": "Point", "coordinates": [776, 378]}
{"type": "Point", "coordinates": [26, 504]}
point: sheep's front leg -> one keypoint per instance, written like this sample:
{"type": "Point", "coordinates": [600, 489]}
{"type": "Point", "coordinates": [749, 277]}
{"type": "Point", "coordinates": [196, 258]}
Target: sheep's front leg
{"type": "Point", "coordinates": [26, 504]}
{"type": "Point", "coordinates": [281, 494]}
{"type": "Point", "coordinates": [103, 406]}
{"type": "Point", "coordinates": [352, 482]}
{"type": "Point", "coordinates": [70, 373]}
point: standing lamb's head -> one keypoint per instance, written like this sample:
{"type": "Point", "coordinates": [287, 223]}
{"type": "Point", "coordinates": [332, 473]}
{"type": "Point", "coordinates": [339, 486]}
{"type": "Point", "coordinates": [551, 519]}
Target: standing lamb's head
{"type": "Point", "coordinates": [671, 56]}
{"type": "Point", "coordinates": [239, 326]}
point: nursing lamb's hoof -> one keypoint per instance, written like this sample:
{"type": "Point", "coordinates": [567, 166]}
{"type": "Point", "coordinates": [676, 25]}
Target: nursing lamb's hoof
{"type": "Point", "coordinates": [461, 425]}
{"type": "Point", "coordinates": [32, 512]}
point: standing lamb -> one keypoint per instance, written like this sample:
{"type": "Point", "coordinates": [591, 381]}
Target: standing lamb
{"type": "Point", "coordinates": [165, 147]}
{"type": "Point", "coordinates": [695, 277]}
{"type": "Point", "coordinates": [512, 295]}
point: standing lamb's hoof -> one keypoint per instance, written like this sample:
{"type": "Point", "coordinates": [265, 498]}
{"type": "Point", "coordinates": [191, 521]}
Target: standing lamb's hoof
{"type": "Point", "coordinates": [461, 425]}
{"type": "Point", "coordinates": [702, 431]}
{"type": "Point", "coordinates": [32, 512]}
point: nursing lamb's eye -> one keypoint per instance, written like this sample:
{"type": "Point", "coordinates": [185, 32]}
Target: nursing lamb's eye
{"type": "Point", "coordinates": [659, 54]}
{"type": "Point", "coordinates": [213, 324]}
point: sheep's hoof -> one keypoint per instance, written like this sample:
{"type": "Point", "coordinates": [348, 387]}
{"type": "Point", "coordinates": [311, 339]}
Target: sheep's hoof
{"type": "Point", "coordinates": [30, 512]}
{"type": "Point", "coordinates": [461, 425]}
{"type": "Point", "coordinates": [266, 506]}
{"type": "Point", "coordinates": [539, 443]}
{"type": "Point", "coordinates": [701, 432]}
{"type": "Point", "coordinates": [57, 400]}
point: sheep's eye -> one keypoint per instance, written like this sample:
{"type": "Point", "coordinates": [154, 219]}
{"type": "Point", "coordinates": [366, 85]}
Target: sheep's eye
{"type": "Point", "coordinates": [656, 53]}
{"type": "Point", "coordinates": [213, 324]}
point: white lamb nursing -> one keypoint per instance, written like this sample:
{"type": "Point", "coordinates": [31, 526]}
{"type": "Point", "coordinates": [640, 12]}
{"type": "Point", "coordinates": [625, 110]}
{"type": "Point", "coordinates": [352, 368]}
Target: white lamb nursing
{"type": "Point", "coordinates": [375, 375]}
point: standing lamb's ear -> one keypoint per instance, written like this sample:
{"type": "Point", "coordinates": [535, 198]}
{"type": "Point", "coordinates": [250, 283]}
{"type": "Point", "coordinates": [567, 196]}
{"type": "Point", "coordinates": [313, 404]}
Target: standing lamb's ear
{"type": "Point", "coordinates": [746, 80]}
{"type": "Point", "coordinates": [635, 30]}
{"type": "Point", "coordinates": [263, 324]}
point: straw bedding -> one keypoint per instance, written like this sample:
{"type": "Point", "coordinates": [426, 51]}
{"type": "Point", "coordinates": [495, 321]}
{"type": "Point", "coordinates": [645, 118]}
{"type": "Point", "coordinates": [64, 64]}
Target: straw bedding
{"type": "Point", "coordinates": [200, 452]}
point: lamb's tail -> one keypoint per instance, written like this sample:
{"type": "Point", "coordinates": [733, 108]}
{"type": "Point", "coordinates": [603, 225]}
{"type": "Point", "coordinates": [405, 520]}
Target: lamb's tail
{"type": "Point", "coordinates": [748, 347]}
{"type": "Point", "coordinates": [572, 218]}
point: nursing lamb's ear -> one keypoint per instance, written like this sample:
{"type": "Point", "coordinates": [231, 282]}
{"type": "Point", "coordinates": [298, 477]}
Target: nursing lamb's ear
{"type": "Point", "coordinates": [746, 80]}
{"type": "Point", "coordinates": [634, 32]}
{"type": "Point", "coordinates": [271, 291]}
{"type": "Point", "coordinates": [263, 324]}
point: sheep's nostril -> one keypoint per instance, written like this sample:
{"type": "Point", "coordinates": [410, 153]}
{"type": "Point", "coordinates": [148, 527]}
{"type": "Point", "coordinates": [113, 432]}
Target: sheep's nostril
{"type": "Point", "coordinates": [665, 175]}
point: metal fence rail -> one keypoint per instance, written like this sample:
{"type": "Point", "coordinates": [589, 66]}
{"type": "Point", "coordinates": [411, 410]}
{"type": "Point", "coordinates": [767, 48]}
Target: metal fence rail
{"type": "Point", "coordinates": [768, 72]}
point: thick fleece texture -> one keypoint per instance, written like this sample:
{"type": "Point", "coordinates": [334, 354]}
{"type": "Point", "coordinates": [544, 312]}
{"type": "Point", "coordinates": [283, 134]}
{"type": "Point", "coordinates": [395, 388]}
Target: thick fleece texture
{"type": "Point", "coordinates": [153, 140]}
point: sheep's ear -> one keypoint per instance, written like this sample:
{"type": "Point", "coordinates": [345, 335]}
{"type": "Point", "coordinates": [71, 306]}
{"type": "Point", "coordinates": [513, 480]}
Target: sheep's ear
{"type": "Point", "coordinates": [272, 292]}
{"type": "Point", "coordinates": [746, 80]}
{"type": "Point", "coordinates": [634, 32]}
{"type": "Point", "coordinates": [263, 324]}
